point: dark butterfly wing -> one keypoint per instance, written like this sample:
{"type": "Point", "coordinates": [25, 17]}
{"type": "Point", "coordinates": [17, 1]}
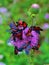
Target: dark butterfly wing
{"type": "Point", "coordinates": [38, 28]}
{"type": "Point", "coordinates": [37, 31]}
{"type": "Point", "coordinates": [12, 26]}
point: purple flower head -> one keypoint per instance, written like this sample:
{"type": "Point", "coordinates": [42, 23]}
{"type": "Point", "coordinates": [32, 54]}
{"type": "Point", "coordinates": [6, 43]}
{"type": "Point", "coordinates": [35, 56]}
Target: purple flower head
{"type": "Point", "coordinates": [47, 16]}
{"type": "Point", "coordinates": [1, 63]}
{"type": "Point", "coordinates": [3, 10]}
{"type": "Point", "coordinates": [46, 26]}
{"type": "Point", "coordinates": [35, 6]}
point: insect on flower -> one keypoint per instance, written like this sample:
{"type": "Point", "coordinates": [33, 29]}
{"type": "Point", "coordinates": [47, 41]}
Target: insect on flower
{"type": "Point", "coordinates": [24, 37]}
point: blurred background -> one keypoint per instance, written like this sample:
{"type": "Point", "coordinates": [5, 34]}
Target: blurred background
{"type": "Point", "coordinates": [34, 12]}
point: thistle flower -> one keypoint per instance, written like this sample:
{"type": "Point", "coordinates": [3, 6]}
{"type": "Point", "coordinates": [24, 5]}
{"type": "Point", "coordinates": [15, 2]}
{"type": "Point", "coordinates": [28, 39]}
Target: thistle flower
{"type": "Point", "coordinates": [47, 16]}
{"type": "Point", "coordinates": [35, 6]}
{"type": "Point", "coordinates": [30, 40]}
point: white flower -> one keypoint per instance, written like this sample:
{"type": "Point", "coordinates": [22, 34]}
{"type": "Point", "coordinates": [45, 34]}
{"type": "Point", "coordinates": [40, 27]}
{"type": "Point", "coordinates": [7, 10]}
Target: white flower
{"type": "Point", "coordinates": [19, 52]}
